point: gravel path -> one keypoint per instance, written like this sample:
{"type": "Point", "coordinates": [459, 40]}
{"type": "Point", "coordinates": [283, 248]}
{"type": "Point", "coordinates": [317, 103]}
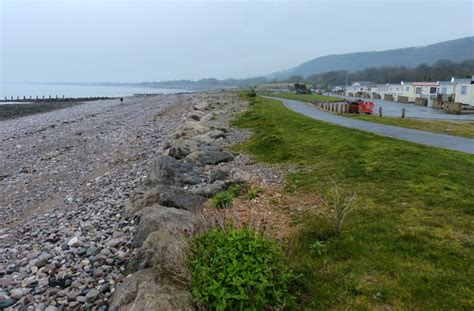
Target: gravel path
{"type": "Point", "coordinates": [421, 137]}
{"type": "Point", "coordinates": [65, 176]}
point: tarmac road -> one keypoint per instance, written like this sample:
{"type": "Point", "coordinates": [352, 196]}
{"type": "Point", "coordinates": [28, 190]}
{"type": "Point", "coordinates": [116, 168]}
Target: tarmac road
{"type": "Point", "coordinates": [426, 138]}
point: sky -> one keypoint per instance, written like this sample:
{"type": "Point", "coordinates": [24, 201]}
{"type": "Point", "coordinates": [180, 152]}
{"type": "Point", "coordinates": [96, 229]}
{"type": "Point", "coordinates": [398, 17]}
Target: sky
{"type": "Point", "coordinates": [145, 40]}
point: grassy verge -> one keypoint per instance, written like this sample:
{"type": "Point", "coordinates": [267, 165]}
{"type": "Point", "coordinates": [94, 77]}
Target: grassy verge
{"type": "Point", "coordinates": [409, 243]}
{"type": "Point", "coordinates": [306, 97]}
{"type": "Point", "coordinates": [11, 111]}
{"type": "Point", "coordinates": [457, 128]}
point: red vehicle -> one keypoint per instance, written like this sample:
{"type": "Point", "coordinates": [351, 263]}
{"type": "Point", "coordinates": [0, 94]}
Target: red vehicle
{"type": "Point", "coordinates": [360, 106]}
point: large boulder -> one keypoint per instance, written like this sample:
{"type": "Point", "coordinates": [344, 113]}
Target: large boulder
{"type": "Point", "coordinates": [201, 106]}
{"type": "Point", "coordinates": [179, 198]}
{"type": "Point", "coordinates": [195, 115]}
{"type": "Point", "coordinates": [219, 174]}
{"type": "Point", "coordinates": [216, 134]}
{"type": "Point", "coordinates": [160, 218]}
{"type": "Point", "coordinates": [211, 116]}
{"type": "Point", "coordinates": [165, 195]}
{"type": "Point", "coordinates": [182, 147]}
{"type": "Point", "coordinates": [208, 190]}
{"type": "Point", "coordinates": [141, 199]}
{"type": "Point", "coordinates": [209, 157]}
{"type": "Point", "coordinates": [194, 127]}
{"type": "Point", "coordinates": [142, 291]}
{"type": "Point", "coordinates": [167, 170]}
{"type": "Point", "coordinates": [153, 248]}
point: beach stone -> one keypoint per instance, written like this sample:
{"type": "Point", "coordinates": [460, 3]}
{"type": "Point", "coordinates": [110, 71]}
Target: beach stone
{"type": "Point", "coordinates": [209, 157]}
{"type": "Point", "coordinates": [42, 260]}
{"type": "Point", "coordinates": [33, 255]}
{"type": "Point", "coordinates": [6, 302]}
{"type": "Point", "coordinates": [28, 299]}
{"type": "Point", "coordinates": [201, 106]}
{"type": "Point", "coordinates": [91, 250]}
{"type": "Point", "coordinates": [149, 254]}
{"type": "Point", "coordinates": [100, 259]}
{"type": "Point", "coordinates": [11, 268]}
{"type": "Point", "coordinates": [184, 146]}
{"type": "Point", "coordinates": [5, 282]}
{"type": "Point", "coordinates": [81, 299]}
{"type": "Point", "coordinates": [114, 242]}
{"type": "Point", "coordinates": [178, 198]}
{"type": "Point", "coordinates": [73, 304]}
{"type": "Point", "coordinates": [16, 293]}
{"type": "Point", "coordinates": [194, 127]}
{"type": "Point", "coordinates": [73, 242]}
{"type": "Point", "coordinates": [76, 284]}
{"type": "Point", "coordinates": [92, 294]}
{"type": "Point", "coordinates": [169, 171]}
{"type": "Point", "coordinates": [157, 217]}
{"type": "Point", "coordinates": [216, 134]}
{"type": "Point", "coordinates": [219, 174]}
{"type": "Point", "coordinates": [208, 190]}
{"type": "Point", "coordinates": [98, 273]}
{"type": "Point", "coordinates": [142, 291]}
{"type": "Point", "coordinates": [195, 115]}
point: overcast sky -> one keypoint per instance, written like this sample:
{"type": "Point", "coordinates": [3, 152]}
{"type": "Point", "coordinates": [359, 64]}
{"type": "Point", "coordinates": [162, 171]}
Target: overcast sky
{"type": "Point", "coordinates": [139, 40]}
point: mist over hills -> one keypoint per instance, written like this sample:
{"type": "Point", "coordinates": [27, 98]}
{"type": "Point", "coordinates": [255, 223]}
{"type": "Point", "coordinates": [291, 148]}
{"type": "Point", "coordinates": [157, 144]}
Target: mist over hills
{"type": "Point", "coordinates": [453, 50]}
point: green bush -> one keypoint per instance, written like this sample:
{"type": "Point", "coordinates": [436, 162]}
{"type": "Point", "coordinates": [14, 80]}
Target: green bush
{"type": "Point", "coordinates": [317, 248]}
{"type": "Point", "coordinates": [235, 190]}
{"type": "Point", "coordinates": [222, 199]}
{"type": "Point", "coordinates": [237, 269]}
{"type": "Point", "coordinates": [253, 193]}
{"type": "Point", "coordinates": [252, 93]}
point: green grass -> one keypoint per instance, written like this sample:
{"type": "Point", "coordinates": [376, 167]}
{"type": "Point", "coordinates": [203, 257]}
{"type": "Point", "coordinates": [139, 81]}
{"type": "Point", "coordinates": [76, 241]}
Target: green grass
{"type": "Point", "coordinates": [457, 128]}
{"type": "Point", "coordinates": [307, 97]}
{"type": "Point", "coordinates": [409, 243]}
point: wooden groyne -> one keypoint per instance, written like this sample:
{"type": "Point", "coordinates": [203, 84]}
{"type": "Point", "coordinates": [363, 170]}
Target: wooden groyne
{"type": "Point", "coordinates": [56, 98]}
{"type": "Point", "coordinates": [48, 99]}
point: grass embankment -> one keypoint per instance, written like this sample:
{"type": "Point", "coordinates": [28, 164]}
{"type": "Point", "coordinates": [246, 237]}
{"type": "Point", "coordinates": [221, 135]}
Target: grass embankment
{"type": "Point", "coordinates": [11, 111]}
{"type": "Point", "coordinates": [409, 243]}
{"type": "Point", "coordinates": [307, 97]}
{"type": "Point", "coordinates": [457, 128]}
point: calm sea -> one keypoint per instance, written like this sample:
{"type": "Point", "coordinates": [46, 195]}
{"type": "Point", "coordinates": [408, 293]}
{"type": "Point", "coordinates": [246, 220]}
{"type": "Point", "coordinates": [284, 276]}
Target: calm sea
{"type": "Point", "coordinates": [33, 90]}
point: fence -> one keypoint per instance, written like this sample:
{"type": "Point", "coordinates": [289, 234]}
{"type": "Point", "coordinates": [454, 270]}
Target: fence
{"type": "Point", "coordinates": [50, 98]}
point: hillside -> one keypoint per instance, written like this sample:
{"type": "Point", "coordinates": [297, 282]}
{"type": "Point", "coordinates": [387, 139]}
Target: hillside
{"type": "Point", "coordinates": [453, 50]}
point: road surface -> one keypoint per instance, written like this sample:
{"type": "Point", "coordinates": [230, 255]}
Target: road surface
{"type": "Point", "coordinates": [426, 138]}
{"type": "Point", "coordinates": [394, 109]}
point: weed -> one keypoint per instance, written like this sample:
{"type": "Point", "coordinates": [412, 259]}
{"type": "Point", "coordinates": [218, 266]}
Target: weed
{"type": "Point", "coordinates": [222, 199]}
{"type": "Point", "coordinates": [237, 269]}
{"type": "Point", "coordinates": [335, 206]}
{"type": "Point", "coordinates": [317, 248]}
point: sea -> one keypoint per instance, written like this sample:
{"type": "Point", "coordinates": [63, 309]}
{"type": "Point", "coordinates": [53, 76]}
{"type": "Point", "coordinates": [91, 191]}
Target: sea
{"type": "Point", "coordinates": [20, 90]}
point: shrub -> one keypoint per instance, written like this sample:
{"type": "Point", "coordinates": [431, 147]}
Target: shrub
{"type": "Point", "coordinates": [235, 190]}
{"type": "Point", "coordinates": [252, 93]}
{"type": "Point", "coordinates": [236, 269]}
{"type": "Point", "coordinates": [335, 206]}
{"type": "Point", "coordinates": [253, 193]}
{"type": "Point", "coordinates": [222, 199]}
{"type": "Point", "coordinates": [317, 248]}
